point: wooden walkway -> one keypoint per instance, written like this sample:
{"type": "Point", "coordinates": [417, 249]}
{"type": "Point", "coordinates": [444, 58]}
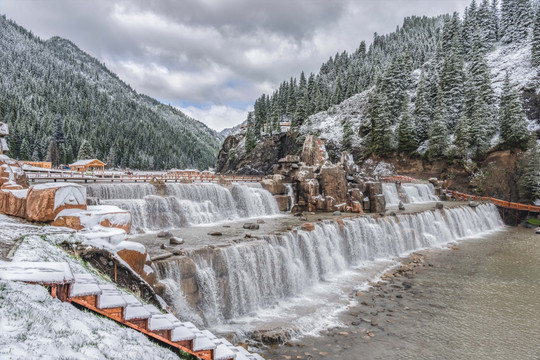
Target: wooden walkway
{"type": "Point", "coordinates": [73, 176]}
{"type": "Point", "coordinates": [499, 203]}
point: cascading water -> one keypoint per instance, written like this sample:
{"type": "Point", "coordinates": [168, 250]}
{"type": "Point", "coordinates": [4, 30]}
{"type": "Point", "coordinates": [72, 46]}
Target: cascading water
{"type": "Point", "coordinates": [390, 194]}
{"type": "Point", "coordinates": [290, 193]}
{"type": "Point", "coordinates": [414, 193]}
{"type": "Point", "coordinates": [249, 277]}
{"type": "Point", "coordinates": [186, 204]}
{"type": "Point", "coordinates": [417, 193]}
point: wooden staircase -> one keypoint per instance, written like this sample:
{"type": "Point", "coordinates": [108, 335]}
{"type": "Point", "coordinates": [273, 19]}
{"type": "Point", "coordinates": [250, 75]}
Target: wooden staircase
{"type": "Point", "coordinates": [166, 329]}
{"type": "Point", "coordinates": [84, 292]}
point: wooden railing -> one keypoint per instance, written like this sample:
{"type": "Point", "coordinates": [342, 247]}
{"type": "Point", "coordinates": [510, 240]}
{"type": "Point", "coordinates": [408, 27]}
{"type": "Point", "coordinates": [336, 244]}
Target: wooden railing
{"type": "Point", "coordinates": [45, 176]}
{"type": "Point", "coordinates": [497, 202]}
{"type": "Point", "coordinates": [402, 178]}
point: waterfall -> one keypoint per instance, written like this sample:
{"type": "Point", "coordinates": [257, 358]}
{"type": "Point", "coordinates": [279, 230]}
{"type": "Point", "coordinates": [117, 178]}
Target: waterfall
{"type": "Point", "coordinates": [415, 193]}
{"type": "Point", "coordinates": [186, 204]}
{"type": "Point", "coordinates": [244, 278]}
{"type": "Point", "coordinates": [290, 193]}
{"type": "Point", "coordinates": [390, 194]}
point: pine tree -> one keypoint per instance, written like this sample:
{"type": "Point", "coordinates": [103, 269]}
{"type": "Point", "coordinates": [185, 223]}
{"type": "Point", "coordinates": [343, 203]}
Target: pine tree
{"type": "Point", "coordinates": [462, 137]}
{"type": "Point", "coordinates": [85, 151]}
{"type": "Point", "coordinates": [480, 128]}
{"type": "Point", "coordinates": [58, 130]}
{"type": "Point", "coordinates": [24, 152]}
{"type": "Point", "coordinates": [347, 135]}
{"type": "Point", "coordinates": [382, 138]}
{"type": "Point", "coordinates": [421, 113]}
{"type": "Point", "coordinates": [512, 117]}
{"type": "Point", "coordinates": [406, 132]}
{"type": "Point", "coordinates": [529, 181]}
{"type": "Point", "coordinates": [536, 40]}
{"type": "Point", "coordinates": [438, 135]}
{"type": "Point", "coordinates": [53, 155]}
{"type": "Point", "coordinates": [250, 135]}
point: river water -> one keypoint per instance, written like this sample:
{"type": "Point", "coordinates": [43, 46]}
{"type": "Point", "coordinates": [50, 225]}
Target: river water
{"type": "Point", "coordinates": [478, 301]}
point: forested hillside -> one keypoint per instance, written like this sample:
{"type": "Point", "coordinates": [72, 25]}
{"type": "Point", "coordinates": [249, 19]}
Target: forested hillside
{"type": "Point", "coordinates": [455, 87]}
{"type": "Point", "coordinates": [42, 79]}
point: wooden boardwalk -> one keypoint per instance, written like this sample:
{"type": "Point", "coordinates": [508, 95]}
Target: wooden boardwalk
{"type": "Point", "coordinates": [73, 176]}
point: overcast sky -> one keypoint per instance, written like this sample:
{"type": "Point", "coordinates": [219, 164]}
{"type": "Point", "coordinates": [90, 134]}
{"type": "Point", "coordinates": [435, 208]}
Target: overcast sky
{"type": "Point", "coordinates": [213, 58]}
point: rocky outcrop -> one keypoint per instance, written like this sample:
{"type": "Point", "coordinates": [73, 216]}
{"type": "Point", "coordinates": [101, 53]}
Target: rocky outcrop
{"type": "Point", "coordinates": [233, 159]}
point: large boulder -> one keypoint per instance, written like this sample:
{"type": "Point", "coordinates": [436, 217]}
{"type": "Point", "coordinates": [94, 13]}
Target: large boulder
{"type": "Point", "coordinates": [46, 201]}
{"type": "Point", "coordinates": [313, 152]}
{"type": "Point", "coordinates": [104, 215]}
{"type": "Point", "coordinates": [348, 164]}
{"type": "Point", "coordinates": [133, 253]}
{"type": "Point", "coordinates": [333, 182]}
{"type": "Point", "coordinates": [308, 190]}
{"type": "Point", "coordinates": [373, 189]}
{"type": "Point", "coordinates": [11, 172]}
{"type": "Point", "coordinates": [378, 204]}
{"type": "Point", "coordinates": [283, 202]}
{"type": "Point", "coordinates": [13, 201]}
{"type": "Point", "coordinates": [274, 184]}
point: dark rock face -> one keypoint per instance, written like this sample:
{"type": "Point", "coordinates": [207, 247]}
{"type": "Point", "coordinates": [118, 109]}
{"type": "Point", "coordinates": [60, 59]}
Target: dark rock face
{"type": "Point", "coordinates": [233, 159]}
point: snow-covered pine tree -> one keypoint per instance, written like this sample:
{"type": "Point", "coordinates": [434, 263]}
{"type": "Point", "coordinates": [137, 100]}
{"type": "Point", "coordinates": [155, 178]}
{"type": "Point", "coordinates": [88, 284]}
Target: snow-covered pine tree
{"type": "Point", "coordinates": [347, 135]}
{"type": "Point", "coordinates": [512, 117]}
{"type": "Point", "coordinates": [451, 81]}
{"type": "Point", "coordinates": [251, 141]}
{"type": "Point", "coordinates": [58, 130]}
{"type": "Point", "coordinates": [382, 138]}
{"type": "Point", "coordinates": [53, 155]}
{"type": "Point", "coordinates": [529, 181]}
{"type": "Point", "coordinates": [422, 114]}
{"type": "Point", "coordinates": [535, 51]}
{"type": "Point", "coordinates": [462, 137]}
{"type": "Point", "coordinates": [24, 152]}
{"type": "Point", "coordinates": [516, 19]}
{"type": "Point", "coordinates": [85, 151]}
{"type": "Point", "coordinates": [438, 134]}
{"type": "Point", "coordinates": [479, 130]}
{"type": "Point", "coordinates": [406, 132]}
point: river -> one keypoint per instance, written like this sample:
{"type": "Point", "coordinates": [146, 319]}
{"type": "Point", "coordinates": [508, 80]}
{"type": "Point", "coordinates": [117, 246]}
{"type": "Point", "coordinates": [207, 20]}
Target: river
{"type": "Point", "coordinates": [478, 300]}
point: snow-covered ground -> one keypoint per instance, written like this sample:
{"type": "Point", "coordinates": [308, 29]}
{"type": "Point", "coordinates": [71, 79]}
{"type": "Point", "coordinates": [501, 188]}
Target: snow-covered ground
{"type": "Point", "coordinates": [12, 229]}
{"type": "Point", "coordinates": [33, 325]}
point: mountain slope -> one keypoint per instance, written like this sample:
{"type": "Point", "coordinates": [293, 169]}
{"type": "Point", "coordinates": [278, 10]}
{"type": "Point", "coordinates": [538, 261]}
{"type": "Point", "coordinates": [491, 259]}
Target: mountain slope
{"type": "Point", "coordinates": [43, 78]}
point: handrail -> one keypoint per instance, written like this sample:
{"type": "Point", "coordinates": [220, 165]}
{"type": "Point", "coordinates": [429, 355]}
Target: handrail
{"type": "Point", "coordinates": [48, 175]}
{"type": "Point", "coordinates": [497, 202]}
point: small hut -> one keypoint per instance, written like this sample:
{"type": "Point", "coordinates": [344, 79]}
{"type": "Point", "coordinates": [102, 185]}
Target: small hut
{"type": "Point", "coordinates": [4, 132]}
{"type": "Point", "coordinates": [92, 165]}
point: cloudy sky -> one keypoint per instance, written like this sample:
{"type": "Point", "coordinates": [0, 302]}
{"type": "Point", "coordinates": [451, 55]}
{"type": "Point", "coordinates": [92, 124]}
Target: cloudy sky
{"type": "Point", "coordinates": [213, 58]}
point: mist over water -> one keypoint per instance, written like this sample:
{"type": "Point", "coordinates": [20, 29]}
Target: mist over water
{"type": "Point", "coordinates": [185, 204]}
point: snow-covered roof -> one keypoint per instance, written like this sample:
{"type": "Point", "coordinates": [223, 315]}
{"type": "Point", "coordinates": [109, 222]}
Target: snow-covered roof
{"type": "Point", "coordinates": [36, 272]}
{"type": "Point", "coordinates": [4, 131]}
{"type": "Point", "coordinates": [86, 162]}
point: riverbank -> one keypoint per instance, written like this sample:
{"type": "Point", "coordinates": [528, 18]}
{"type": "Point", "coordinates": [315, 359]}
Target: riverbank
{"type": "Point", "coordinates": [477, 300]}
